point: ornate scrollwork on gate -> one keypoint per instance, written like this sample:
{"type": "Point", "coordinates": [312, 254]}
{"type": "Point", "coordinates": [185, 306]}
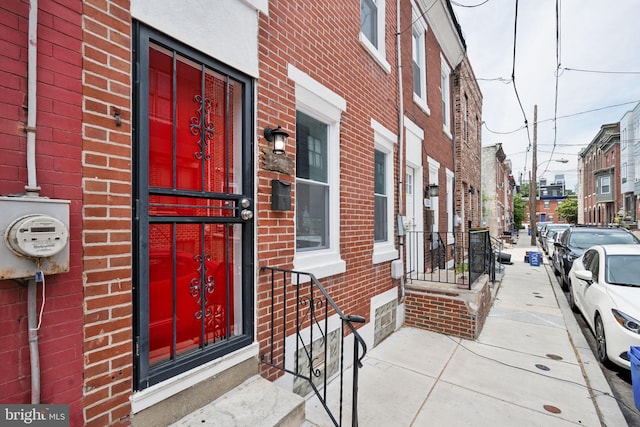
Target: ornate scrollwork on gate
{"type": "Point", "coordinates": [201, 126]}
{"type": "Point", "coordinates": [200, 291]}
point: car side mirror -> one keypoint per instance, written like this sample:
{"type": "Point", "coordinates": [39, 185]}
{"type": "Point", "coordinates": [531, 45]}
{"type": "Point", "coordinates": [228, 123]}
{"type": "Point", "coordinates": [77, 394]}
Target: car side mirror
{"type": "Point", "coordinates": [585, 275]}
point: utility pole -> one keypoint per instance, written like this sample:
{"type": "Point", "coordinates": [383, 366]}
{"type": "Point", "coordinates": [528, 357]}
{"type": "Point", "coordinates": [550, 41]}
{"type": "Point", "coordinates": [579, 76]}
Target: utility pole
{"type": "Point", "coordinates": [532, 184]}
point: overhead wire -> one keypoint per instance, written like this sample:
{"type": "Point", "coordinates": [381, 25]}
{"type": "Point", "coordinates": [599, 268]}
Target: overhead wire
{"type": "Point", "coordinates": [557, 77]}
{"type": "Point", "coordinates": [470, 5]}
{"type": "Point", "coordinates": [582, 70]}
{"type": "Point", "coordinates": [513, 71]}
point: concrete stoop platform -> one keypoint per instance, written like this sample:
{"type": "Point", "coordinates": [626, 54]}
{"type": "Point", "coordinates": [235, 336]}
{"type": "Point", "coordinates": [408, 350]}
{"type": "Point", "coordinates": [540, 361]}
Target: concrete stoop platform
{"type": "Point", "coordinates": [256, 402]}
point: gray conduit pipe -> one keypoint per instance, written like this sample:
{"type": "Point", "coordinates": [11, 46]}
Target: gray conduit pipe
{"type": "Point", "coordinates": [400, 145]}
{"type": "Point", "coordinates": [33, 342]}
{"type": "Point", "coordinates": [32, 188]}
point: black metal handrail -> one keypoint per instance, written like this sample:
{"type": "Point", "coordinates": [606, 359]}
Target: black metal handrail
{"type": "Point", "coordinates": [311, 305]}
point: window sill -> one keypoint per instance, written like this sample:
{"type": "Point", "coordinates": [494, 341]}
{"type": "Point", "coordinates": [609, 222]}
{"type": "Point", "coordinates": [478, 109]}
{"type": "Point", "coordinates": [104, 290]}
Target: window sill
{"type": "Point", "coordinates": [319, 263]}
{"type": "Point", "coordinates": [447, 132]}
{"type": "Point", "coordinates": [375, 53]}
{"type": "Point", "coordinates": [383, 252]}
{"type": "Point", "coordinates": [422, 103]}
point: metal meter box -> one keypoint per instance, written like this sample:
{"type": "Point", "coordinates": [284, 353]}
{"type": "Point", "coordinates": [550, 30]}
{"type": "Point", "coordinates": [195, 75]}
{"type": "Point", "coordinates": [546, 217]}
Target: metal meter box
{"type": "Point", "coordinates": [33, 228]}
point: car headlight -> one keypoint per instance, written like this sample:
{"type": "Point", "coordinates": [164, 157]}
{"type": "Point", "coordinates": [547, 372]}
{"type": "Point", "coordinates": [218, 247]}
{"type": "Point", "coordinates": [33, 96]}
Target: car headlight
{"type": "Point", "coordinates": [626, 321]}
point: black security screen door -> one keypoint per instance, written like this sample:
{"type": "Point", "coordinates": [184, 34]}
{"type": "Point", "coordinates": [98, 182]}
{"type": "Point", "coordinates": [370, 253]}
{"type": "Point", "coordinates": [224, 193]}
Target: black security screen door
{"type": "Point", "coordinates": [194, 176]}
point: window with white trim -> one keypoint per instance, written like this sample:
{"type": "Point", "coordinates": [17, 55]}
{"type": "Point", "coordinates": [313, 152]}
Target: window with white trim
{"type": "Point", "coordinates": [384, 194]}
{"type": "Point", "coordinates": [605, 185]}
{"type": "Point", "coordinates": [318, 114]}
{"type": "Point", "coordinates": [419, 64]}
{"type": "Point", "coordinates": [372, 30]}
{"type": "Point", "coordinates": [445, 71]}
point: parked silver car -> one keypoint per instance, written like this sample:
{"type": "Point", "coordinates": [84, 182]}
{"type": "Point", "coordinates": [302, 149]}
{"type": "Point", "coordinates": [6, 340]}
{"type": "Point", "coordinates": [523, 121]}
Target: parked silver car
{"type": "Point", "coordinates": [550, 231]}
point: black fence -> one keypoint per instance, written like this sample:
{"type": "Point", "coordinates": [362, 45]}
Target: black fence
{"type": "Point", "coordinates": [449, 257]}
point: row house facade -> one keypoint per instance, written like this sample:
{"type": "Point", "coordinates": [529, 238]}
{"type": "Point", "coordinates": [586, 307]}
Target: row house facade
{"type": "Point", "coordinates": [599, 177]}
{"type": "Point", "coordinates": [498, 188]}
{"type": "Point", "coordinates": [180, 164]}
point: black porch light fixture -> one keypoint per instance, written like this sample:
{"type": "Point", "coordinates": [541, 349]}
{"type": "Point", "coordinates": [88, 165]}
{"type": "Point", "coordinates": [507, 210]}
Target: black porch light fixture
{"type": "Point", "coordinates": [432, 190]}
{"type": "Point", "coordinates": [278, 137]}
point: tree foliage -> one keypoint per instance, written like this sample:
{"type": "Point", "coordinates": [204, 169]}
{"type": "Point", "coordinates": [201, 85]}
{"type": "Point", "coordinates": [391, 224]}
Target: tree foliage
{"type": "Point", "coordinates": [569, 210]}
{"type": "Point", "coordinates": [518, 210]}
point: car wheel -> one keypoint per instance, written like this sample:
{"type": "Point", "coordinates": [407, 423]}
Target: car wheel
{"type": "Point", "coordinates": [564, 281]}
{"type": "Point", "coordinates": [572, 300]}
{"type": "Point", "coordinates": [601, 341]}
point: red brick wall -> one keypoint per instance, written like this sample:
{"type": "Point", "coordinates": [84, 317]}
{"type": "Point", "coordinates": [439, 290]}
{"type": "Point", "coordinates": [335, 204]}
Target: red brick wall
{"type": "Point", "coordinates": [436, 145]}
{"type": "Point", "coordinates": [58, 154]}
{"type": "Point", "coordinates": [107, 212]}
{"type": "Point", "coordinates": [468, 148]}
{"type": "Point", "coordinates": [446, 312]}
{"type": "Point", "coordinates": [336, 59]}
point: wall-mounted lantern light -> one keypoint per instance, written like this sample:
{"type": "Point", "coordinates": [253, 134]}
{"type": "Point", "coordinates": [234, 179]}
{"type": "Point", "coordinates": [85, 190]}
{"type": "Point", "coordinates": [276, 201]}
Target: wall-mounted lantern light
{"type": "Point", "coordinates": [278, 137]}
{"type": "Point", "coordinates": [432, 190]}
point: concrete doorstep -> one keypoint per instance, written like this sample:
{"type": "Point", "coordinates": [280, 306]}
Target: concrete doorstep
{"type": "Point", "coordinates": [256, 402]}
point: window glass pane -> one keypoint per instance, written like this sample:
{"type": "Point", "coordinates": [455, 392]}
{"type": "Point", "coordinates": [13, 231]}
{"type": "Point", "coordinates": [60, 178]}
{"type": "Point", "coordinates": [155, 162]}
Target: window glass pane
{"type": "Point", "coordinates": [312, 216]}
{"type": "Point", "coordinates": [380, 199]}
{"type": "Point", "coordinates": [369, 20]}
{"type": "Point", "coordinates": [380, 218]}
{"type": "Point", "coordinates": [379, 174]}
{"type": "Point", "coordinates": [311, 154]}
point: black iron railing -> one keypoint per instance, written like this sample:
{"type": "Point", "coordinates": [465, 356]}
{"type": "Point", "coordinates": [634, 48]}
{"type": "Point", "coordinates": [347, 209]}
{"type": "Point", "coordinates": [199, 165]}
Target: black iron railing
{"type": "Point", "coordinates": [481, 255]}
{"type": "Point", "coordinates": [430, 257]}
{"type": "Point", "coordinates": [301, 307]}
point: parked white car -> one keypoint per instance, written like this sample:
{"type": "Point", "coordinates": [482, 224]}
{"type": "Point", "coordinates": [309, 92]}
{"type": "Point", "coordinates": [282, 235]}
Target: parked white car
{"type": "Point", "coordinates": [604, 284]}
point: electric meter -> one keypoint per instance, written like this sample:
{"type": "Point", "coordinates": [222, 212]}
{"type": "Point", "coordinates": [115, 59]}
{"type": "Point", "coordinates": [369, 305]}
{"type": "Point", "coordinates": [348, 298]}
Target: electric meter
{"type": "Point", "coordinates": [37, 236]}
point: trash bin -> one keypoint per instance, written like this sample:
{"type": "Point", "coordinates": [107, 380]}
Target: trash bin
{"type": "Point", "coordinates": [535, 258]}
{"type": "Point", "coordinates": [634, 357]}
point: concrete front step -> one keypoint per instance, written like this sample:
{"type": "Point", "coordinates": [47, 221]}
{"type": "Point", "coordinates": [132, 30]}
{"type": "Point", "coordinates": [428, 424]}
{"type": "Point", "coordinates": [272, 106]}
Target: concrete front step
{"type": "Point", "coordinates": [256, 402]}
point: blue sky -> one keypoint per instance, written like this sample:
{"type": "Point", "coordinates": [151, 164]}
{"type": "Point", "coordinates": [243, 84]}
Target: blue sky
{"type": "Point", "coordinates": [600, 37]}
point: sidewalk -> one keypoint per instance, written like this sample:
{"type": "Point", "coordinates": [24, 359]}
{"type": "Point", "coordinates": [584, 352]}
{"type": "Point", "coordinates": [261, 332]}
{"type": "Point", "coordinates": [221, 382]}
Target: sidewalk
{"type": "Point", "coordinates": [531, 366]}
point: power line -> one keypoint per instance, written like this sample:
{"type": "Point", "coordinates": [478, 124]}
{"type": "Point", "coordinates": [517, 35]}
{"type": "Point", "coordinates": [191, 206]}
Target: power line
{"type": "Point", "coordinates": [513, 71]}
{"type": "Point", "coordinates": [599, 71]}
{"type": "Point", "coordinates": [471, 5]}
{"type": "Point", "coordinates": [561, 117]}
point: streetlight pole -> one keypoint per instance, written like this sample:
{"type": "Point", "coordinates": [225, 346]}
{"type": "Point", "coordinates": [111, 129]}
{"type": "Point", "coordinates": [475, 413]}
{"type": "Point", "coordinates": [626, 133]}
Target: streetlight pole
{"type": "Point", "coordinates": [532, 183]}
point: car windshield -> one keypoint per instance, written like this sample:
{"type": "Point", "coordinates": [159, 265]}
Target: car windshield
{"type": "Point", "coordinates": [586, 240]}
{"type": "Point", "coordinates": [623, 270]}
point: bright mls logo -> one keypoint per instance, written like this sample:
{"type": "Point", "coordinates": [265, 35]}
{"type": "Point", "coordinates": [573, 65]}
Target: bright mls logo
{"type": "Point", "coordinates": [34, 415]}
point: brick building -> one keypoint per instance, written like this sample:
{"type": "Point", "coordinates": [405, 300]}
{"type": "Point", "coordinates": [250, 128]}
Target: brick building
{"type": "Point", "coordinates": [498, 186]}
{"type": "Point", "coordinates": [600, 177]}
{"type": "Point", "coordinates": [155, 131]}
{"type": "Point", "coordinates": [468, 147]}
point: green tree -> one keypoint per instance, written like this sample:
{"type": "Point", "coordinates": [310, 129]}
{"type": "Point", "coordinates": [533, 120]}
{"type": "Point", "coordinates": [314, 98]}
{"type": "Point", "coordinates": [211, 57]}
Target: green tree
{"type": "Point", "coordinates": [569, 209]}
{"type": "Point", "coordinates": [518, 210]}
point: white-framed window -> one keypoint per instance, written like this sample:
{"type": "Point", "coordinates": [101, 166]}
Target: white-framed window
{"type": "Point", "coordinates": [445, 72]}
{"type": "Point", "coordinates": [318, 114]}
{"type": "Point", "coordinates": [623, 139]}
{"type": "Point", "coordinates": [624, 172]}
{"type": "Point", "coordinates": [605, 184]}
{"type": "Point", "coordinates": [372, 30]}
{"type": "Point", "coordinates": [419, 63]}
{"type": "Point", "coordinates": [384, 194]}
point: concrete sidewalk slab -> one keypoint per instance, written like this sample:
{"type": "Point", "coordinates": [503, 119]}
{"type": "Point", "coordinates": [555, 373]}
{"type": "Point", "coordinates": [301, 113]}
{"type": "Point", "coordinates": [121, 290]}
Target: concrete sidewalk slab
{"type": "Point", "coordinates": [528, 367]}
